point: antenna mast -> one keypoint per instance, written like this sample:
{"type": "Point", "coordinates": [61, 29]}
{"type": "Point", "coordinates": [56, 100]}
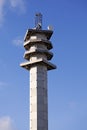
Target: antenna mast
{"type": "Point", "coordinates": [38, 21]}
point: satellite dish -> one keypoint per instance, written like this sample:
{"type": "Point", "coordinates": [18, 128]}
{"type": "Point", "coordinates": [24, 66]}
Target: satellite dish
{"type": "Point", "coordinates": [50, 28]}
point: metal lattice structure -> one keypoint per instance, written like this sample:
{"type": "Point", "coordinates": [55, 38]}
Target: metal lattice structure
{"type": "Point", "coordinates": [38, 21]}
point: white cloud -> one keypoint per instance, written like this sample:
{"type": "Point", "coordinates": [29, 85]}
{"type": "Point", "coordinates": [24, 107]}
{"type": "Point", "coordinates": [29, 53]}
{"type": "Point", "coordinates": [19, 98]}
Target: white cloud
{"type": "Point", "coordinates": [2, 3]}
{"type": "Point", "coordinates": [16, 4]}
{"type": "Point", "coordinates": [6, 123]}
{"type": "Point", "coordinates": [18, 41]}
{"type": "Point", "coordinates": [2, 84]}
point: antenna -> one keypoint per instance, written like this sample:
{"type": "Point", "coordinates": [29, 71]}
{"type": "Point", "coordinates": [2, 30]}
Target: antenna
{"type": "Point", "coordinates": [38, 21]}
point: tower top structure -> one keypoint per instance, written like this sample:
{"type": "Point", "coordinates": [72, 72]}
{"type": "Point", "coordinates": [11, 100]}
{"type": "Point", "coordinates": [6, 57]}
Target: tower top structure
{"type": "Point", "coordinates": [38, 39]}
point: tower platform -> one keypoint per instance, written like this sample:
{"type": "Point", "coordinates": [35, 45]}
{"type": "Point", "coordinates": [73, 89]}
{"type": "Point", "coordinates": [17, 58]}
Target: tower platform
{"type": "Point", "coordinates": [28, 65]}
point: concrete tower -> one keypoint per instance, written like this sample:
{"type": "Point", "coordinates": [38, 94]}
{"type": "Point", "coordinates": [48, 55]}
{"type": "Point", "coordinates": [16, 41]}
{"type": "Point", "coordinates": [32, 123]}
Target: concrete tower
{"type": "Point", "coordinates": [37, 54]}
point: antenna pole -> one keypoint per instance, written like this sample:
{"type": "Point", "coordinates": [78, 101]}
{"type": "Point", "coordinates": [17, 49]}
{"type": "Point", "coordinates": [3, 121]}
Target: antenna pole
{"type": "Point", "coordinates": [38, 21]}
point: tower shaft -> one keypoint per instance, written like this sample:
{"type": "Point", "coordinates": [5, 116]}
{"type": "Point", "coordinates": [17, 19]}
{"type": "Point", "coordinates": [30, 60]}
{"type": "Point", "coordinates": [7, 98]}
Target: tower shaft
{"type": "Point", "coordinates": [38, 98]}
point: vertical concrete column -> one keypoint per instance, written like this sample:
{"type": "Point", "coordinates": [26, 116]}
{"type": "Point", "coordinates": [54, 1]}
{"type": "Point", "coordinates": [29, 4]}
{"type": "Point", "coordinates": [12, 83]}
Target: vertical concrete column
{"type": "Point", "coordinates": [38, 98]}
{"type": "Point", "coordinates": [33, 98]}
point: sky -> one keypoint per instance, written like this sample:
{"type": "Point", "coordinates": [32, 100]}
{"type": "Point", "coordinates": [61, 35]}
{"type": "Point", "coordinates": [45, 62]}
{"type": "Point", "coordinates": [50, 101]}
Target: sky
{"type": "Point", "coordinates": [67, 85]}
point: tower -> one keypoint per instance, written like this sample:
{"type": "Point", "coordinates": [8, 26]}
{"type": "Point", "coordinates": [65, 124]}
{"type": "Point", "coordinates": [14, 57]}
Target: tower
{"type": "Point", "coordinates": [37, 54]}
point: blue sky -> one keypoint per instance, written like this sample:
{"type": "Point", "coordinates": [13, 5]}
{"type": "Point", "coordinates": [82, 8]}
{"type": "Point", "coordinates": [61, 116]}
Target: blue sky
{"type": "Point", "coordinates": [67, 84]}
